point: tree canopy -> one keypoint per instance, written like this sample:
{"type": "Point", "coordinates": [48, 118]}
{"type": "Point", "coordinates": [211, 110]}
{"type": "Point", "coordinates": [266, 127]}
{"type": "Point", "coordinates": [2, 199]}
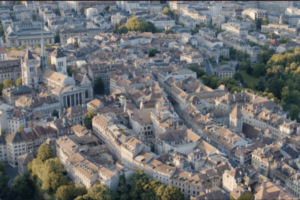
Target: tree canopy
{"type": "Point", "coordinates": [45, 152]}
{"type": "Point", "coordinates": [88, 117]}
{"type": "Point", "coordinates": [8, 83]}
{"type": "Point", "coordinates": [99, 86]}
{"type": "Point", "coordinates": [19, 81]}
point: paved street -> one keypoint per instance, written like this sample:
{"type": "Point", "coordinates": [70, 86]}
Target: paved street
{"type": "Point", "coordinates": [209, 69]}
{"type": "Point", "coordinates": [12, 172]}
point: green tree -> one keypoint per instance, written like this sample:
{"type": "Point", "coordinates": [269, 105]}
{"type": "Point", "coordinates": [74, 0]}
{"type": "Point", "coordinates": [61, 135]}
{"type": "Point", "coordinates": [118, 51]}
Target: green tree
{"type": "Point", "coordinates": [99, 86]}
{"type": "Point", "coordinates": [136, 24]}
{"type": "Point", "coordinates": [99, 192]}
{"type": "Point", "coordinates": [275, 86]}
{"type": "Point", "coordinates": [33, 17]}
{"type": "Point", "coordinates": [21, 128]}
{"type": "Point", "coordinates": [70, 70]}
{"type": "Point", "coordinates": [45, 152]}
{"type": "Point", "coordinates": [3, 180]}
{"type": "Point", "coordinates": [8, 83]}
{"type": "Point", "coordinates": [172, 193]}
{"type": "Point", "coordinates": [200, 71]}
{"type": "Point", "coordinates": [55, 113]}
{"type": "Point", "coordinates": [110, 10]}
{"type": "Point", "coordinates": [75, 44]}
{"type": "Point", "coordinates": [70, 191]}
{"type": "Point", "coordinates": [88, 117]}
{"type": "Point", "coordinates": [56, 38]}
{"type": "Point", "coordinates": [238, 77]}
{"type": "Point", "coordinates": [249, 70]}
{"type": "Point", "coordinates": [19, 81]}
{"type": "Point", "coordinates": [1, 88]}
{"type": "Point", "coordinates": [123, 188]}
{"type": "Point", "coordinates": [2, 167]}
{"type": "Point", "coordinates": [243, 65]}
{"type": "Point", "coordinates": [152, 12]}
{"type": "Point", "coordinates": [81, 10]}
{"type": "Point", "coordinates": [239, 18]}
{"type": "Point", "coordinates": [218, 30]}
{"type": "Point", "coordinates": [169, 31]}
{"type": "Point", "coordinates": [56, 11]}
{"type": "Point", "coordinates": [153, 52]}
{"type": "Point", "coordinates": [23, 186]}
{"type": "Point", "coordinates": [168, 12]}
{"type": "Point", "coordinates": [122, 29]}
{"type": "Point", "coordinates": [261, 86]}
{"type": "Point", "coordinates": [264, 21]}
{"type": "Point", "coordinates": [294, 113]}
{"type": "Point", "coordinates": [286, 21]}
{"type": "Point", "coordinates": [229, 82]}
{"type": "Point", "coordinates": [259, 70]}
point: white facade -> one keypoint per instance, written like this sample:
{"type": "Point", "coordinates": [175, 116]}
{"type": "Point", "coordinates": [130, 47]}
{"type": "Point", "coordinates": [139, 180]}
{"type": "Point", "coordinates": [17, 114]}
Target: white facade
{"type": "Point", "coordinates": [29, 71]}
{"type": "Point", "coordinates": [60, 64]}
{"type": "Point", "coordinates": [3, 54]}
{"type": "Point", "coordinates": [90, 12]}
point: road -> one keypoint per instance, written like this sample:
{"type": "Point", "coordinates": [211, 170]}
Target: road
{"type": "Point", "coordinates": [11, 172]}
{"type": "Point", "coordinates": [209, 69]}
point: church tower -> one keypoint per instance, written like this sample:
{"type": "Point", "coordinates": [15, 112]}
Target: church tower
{"type": "Point", "coordinates": [59, 59]}
{"type": "Point", "coordinates": [44, 59]}
{"type": "Point", "coordinates": [236, 120]}
{"type": "Point", "coordinates": [29, 70]}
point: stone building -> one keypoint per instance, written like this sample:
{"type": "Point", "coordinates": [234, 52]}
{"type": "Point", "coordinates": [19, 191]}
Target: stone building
{"type": "Point", "coordinates": [273, 27]}
{"type": "Point", "coordinates": [225, 71]}
{"type": "Point", "coordinates": [11, 94]}
{"type": "Point", "coordinates": [10, 69]}
{"type": "Point", "coordinates": [29, 139]}
{"type": "Point", "coordinates": [27, 33]}
{"type": "Point", "coordinates": [253, 53]}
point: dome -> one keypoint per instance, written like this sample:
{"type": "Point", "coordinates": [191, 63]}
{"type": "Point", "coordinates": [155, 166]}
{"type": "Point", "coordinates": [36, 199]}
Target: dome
{"type": "Point", "coordinates": [68, 81]}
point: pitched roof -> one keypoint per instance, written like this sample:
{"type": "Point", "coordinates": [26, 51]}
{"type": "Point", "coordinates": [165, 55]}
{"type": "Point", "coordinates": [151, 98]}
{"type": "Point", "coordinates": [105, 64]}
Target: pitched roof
{"type": "Point", "coordinates": [236, 112]}
{"type": "Point", "coordinates": [28, 55]}
{"type": "Point", "coordinates": [57, 53]}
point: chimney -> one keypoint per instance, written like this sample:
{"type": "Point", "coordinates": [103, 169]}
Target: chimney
{"type": "Point", "coordinates": [278, 182]}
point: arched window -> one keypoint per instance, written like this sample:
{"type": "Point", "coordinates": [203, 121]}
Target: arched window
{"type": "Point", "coordinates": [86, 94]}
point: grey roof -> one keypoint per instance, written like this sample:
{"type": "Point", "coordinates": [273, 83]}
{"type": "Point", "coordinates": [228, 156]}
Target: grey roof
{"type": "Point", "coordinates": [28, 55]}
{"type": "Point", "coordinates": [15, 137]}
{"type": "Point", "coordinates": [21, 89]}
{"type": "Point", "coordinates": [57, 53]}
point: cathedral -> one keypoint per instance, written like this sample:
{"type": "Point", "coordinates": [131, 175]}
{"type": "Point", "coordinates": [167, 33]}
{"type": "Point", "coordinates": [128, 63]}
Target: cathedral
{"type": "Point", "coordinates": [70, 91]}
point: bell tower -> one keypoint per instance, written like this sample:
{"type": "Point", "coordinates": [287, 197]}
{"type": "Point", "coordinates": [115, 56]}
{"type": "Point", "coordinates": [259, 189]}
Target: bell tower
{"type": "Point", "coordinates": [29, 70]}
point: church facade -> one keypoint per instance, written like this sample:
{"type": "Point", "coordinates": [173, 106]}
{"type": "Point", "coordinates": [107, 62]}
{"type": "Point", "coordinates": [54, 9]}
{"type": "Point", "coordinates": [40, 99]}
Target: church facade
{"type": "Point", "coordinates": [57, 83]}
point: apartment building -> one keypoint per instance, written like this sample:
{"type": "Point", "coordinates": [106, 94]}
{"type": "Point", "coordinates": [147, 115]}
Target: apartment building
{"type": "Point", "coordinates": [3, 54]}
{"type": "Point", "coordinates": [178, 74]}
{"type": "Point", "coordinates": [10, 69]}
{"type": "Point", "coordinates": [224, 139]}
{"type": "Point", "coordinates": [123, 84]}
{"type": "Point", "coordinates": [253, 53]}
{"type": "Point", "coordinates": [233, 41]}
{"type": "Point", "coordinates": [225, 71]}
{"type": "Point", "coordinates": [275, 27]}
{"type": "Point", "coordinates": [161, 21]}
{"type": "Point", "coordinates": [236, 29]}
{"type": "Point", "coordinates": [26, 140]}
{"type": "Point", "coordinates": [76, 114]}
{"type": "Point", "coordinates": [181, 141]}
{"type": "Point", "coordinates": [45, 103]}
{"type": "Point", "coordinates": [254, 13]}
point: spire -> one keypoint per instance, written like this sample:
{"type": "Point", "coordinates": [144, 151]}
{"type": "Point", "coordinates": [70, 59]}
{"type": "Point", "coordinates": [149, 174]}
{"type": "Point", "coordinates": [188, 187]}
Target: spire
{"type": "Point", "coordinates": [42, 41]}
{"type": "Point", "coordinates": [44, 59]}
